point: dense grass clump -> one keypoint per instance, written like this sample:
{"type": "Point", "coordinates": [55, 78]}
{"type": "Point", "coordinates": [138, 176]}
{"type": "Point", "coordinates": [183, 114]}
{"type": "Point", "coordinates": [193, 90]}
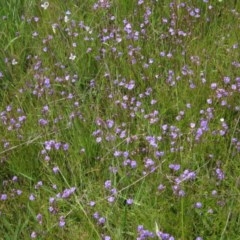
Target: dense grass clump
{"type": "Point", "coordinates": [119, 119]}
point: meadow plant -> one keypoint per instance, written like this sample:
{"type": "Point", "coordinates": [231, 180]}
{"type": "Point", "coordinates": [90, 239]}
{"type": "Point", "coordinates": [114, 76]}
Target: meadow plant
{"type": "Point", "coordinates": [119, 119]}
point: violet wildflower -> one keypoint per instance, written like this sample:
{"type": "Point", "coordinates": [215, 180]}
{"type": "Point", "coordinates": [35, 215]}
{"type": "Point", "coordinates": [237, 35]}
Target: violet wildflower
{"type": "Point", "coordinates": [15, 178]}
{"type": "Point", "coordinates": [3, 197]}
{"type": "Point", "coordinates": [61, 222]}
{"type": "Point", "coordinates": [114, 191]}
{"type": "Point", "coordinates": [33, 235]}
{"type": "Point", "coordinates": [101, 220]}
{"type": "Point", "coordinates": [129, 201]}
{"type": "Point", "coordinates": [181, 193]}
{"type": "Point", "coordinates": [106, 238]}
{"type": "Point", "coordinates": [56, 169]}
{"type": "Point", "coordinates": [214, 192]}
{"type": "Point", "coordinates": [159, 154]}
{"type": "Point", "coordinates": [96, 215]}
{"type": "Point", "coordinates": [110, 123]}
{"type": "Point", "coordinates": [198, 205]}
{"type": "Point", "coordinates": [144, 234]}
{"type": "Point", "coordinates": [39, 218]}
{"type": "Point", "coordinates": [22, 118]}
{"type": "Point", "coordinates": [51, 199]}
{"type": "Point", "coordinates": [133, 164]}
{"type": "Point", "coordinates": [174, 167]}
{"type": "Point", "coordinates": [111, 199]}
{"type": "Point", "coordinates": [68, 192]}
{"type": "Point", "coordinates": [213, 85]}
{"type": "Point", "coordinates": [19, 192]}
{"type": "Point", "coordinates": [38, 185]}
{"type": "Point", "coordinates": [114, 170]}
{"type": "Point", "coordinates": [43, 122]}
{"type": "Point", "coordinates": [219, 173]}
{"type": "Point", "coordinates": [65, 146]}
{"type": "Point", "coordinates": [161, 187]}
{"type": "Point", "coordinates": [108, 184]}
{"type": "Point", "coordinates": [57, 145]}
{"type": "Point", "coordinates": [92, 203]}
{"type": "Point", "coordinates": [164, 236]}
{"type": "Point", "coordinates": [149, 162]}
{"type": "Point", "coordinates": [32, 197]}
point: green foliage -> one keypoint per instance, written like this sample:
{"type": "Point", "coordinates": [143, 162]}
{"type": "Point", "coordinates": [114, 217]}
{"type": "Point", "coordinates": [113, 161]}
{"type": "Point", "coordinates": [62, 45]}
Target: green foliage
{"type": "Point", "coordinates": [66, 73]}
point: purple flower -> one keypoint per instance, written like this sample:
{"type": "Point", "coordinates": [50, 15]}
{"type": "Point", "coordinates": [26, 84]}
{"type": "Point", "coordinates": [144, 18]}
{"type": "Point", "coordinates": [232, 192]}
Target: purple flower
{"type": "Point", "coordinates": [33, 235]}
{"type": "Point", "coordinates": [133, 164]}
{"type": "Point", "coordinates": [214, 192]}
{"type": "Point", "coordinates": [164, 236]}
{"type": "Point", "coordinates": [19, 192]}
{"type": "Point", "coordinates": [61, 222]}
{"type": "Point", "coordinates": [22, 118]}
{"type": "Point", "coordinates": [181, 193]}
{"type": "Point", "coordinates": [68, 192]}
{"type": "Point", "coordinates": [159, 154]}
{"type": "Point", "coordinates": [108, 184]}
{"type": "Point", "coordinates": [213, 85]}
{"type": "Point", "coordinates": [3, 197]}
{"type": "Point", "coordinates": [198, 205]}
{"type": "Point", "coordinates": [38, 185]}
{"type": "Point", "coordinates": [55, 169]}
{"type": "Point", "coordinates": [15, 178]}
{"type": "Point", "coordinates": [45, 109]}
{"type": "Point", "coordinates": [161, 187]}
{"type": "Point", "coordinates": [144, 234]}
{"type": "Point", "coordinates": [32, 197]}
{"type": "Point", "coordinates": [174, 167]}
{"type": "Point", "coordinates": [65, 146]}
{"type": "Point", "coordinates": [106, 238]}
{"type": "Point", "coordinates": [114, 191]}
{"type": "Point", "coordinates": [199, 133]}
{"type": "Point", "coordinates": [129, 201]}
{"type": "Point", "coordinates": [149, 162]}
{"type": "Point", "coordinates": [110, 123]}
{"type": "Point", "coordinates": [101, 220]}
{"type": "Point", "coordinates": [39, 218]}
{"type": "Point", "coordinates": [96, 215]}
{"type": "Point", "coordinates": [204, 124]}
{"type": "Point", "coordinates": [57, 145]}
{"type": "Point", "coordinates": [92, 203]}
{"type": "Point", "coordinates": [130, 85]}
{"type": "Point", "coordinates": [219, 173]}
{"type": "Point", "coordinates": [111, 199]}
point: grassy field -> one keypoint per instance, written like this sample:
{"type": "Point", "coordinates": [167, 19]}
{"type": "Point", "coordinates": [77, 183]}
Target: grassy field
{"type": "Point", "coordinates": [120, 119]}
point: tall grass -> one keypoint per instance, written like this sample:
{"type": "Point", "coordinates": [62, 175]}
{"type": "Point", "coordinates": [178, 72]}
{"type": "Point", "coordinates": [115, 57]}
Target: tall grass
{"type": "Point", "coordinates": [119, 120]}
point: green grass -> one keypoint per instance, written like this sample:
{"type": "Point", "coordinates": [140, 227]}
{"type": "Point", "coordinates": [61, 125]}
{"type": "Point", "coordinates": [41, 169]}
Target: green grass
{"type": "Point", "coordinates": [87, 92]}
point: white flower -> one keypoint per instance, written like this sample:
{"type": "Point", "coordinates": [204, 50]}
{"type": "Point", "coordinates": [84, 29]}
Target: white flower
{"type": "Point", "coordinates": [54, 27]}
{"type": "Point", "coordinates": [66, 19]}
{"type": "Point", "coordinates": [45, 5]}
{"type": "Point", "coordinates": [72, 57]}
{"type": "Point", "coordinates": [14, 62]}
